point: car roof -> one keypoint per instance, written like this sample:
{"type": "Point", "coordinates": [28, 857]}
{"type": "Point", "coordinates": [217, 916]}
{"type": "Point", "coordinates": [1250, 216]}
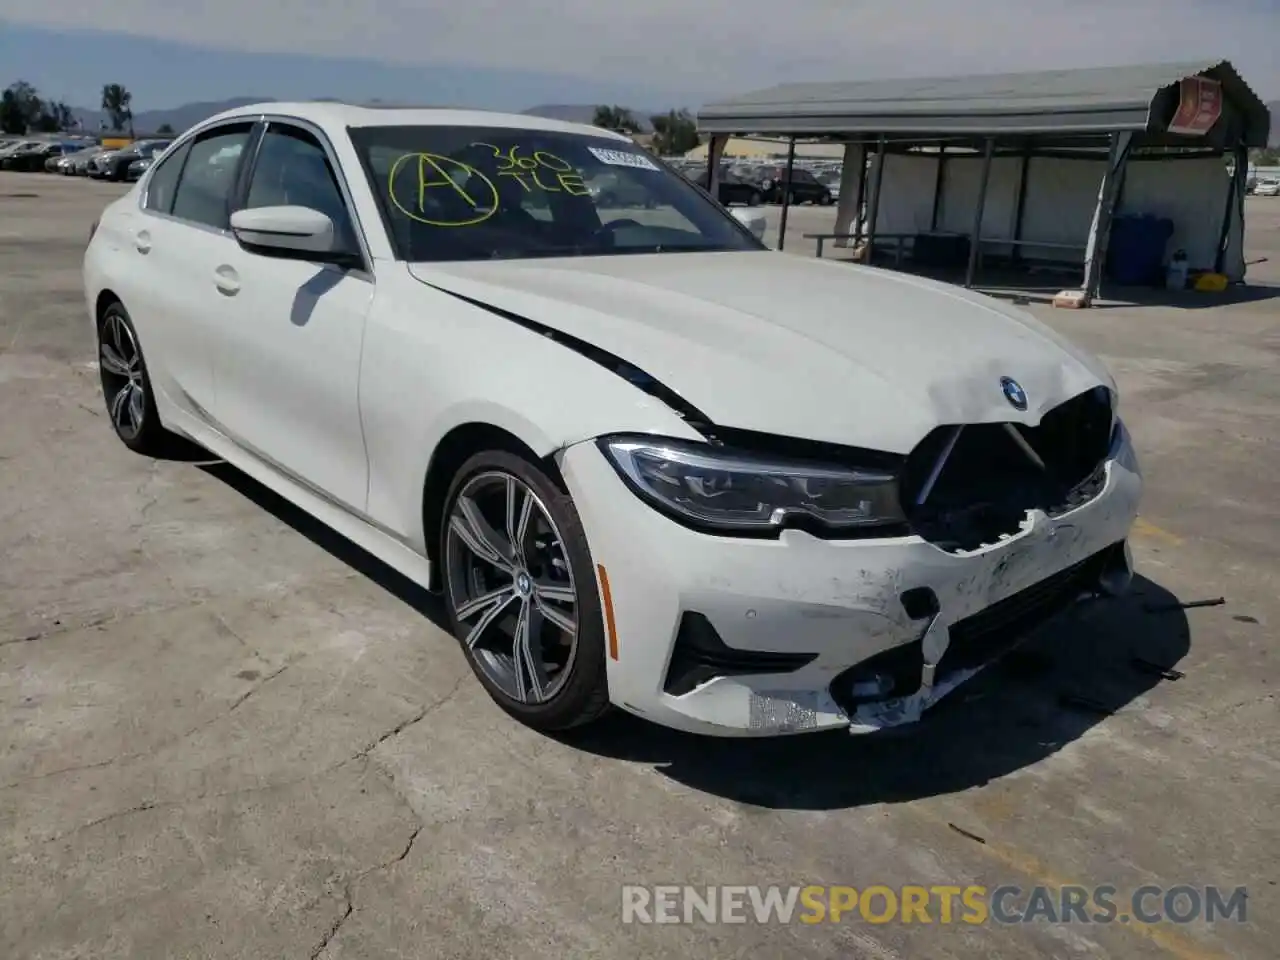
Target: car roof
{"type": "Point", "coordinates": [331, 115]}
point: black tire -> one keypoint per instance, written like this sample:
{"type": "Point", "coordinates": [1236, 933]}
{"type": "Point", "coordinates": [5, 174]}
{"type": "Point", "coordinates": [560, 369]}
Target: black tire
{"type": "Point", "coordinates": [583, 694]}
{"type": "Point", "coordinates": [825, 200]}
{"type": "Point", "coordinates": [753, 198]}
{"type": "Point", "coordinates": [137, 423]}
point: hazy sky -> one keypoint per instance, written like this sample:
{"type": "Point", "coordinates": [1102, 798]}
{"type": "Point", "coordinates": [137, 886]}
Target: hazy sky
{"type": "Point", "coordinates": [693, 49]}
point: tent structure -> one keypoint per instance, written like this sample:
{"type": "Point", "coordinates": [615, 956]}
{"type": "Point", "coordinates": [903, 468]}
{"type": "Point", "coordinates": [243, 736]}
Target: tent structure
{"type": "Point", "coordinates": [1057, 152]}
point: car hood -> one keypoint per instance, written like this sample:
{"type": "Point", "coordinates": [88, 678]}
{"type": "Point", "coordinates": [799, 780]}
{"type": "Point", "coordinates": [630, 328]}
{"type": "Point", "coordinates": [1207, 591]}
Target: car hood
{"type": "Point", "coordinates": [793, 346]}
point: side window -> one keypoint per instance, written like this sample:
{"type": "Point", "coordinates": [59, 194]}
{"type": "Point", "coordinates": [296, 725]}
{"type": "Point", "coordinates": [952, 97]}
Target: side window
{"type": "Point", "coordinates": [164, 178]}
{"type": "Point", "coordinates": [209, 176]}
{"type": "Point", "coordinates": [292, 169]}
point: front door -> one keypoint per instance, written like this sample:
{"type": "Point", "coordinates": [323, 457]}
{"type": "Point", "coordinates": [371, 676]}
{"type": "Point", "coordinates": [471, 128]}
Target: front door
{"type": "Point", "coordinates": [287, 363]}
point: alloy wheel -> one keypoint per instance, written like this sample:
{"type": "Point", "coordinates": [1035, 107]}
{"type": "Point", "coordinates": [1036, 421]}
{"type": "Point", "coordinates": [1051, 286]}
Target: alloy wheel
{"type": "Point", "coordinates": [511, 587]}
{"type": "Point", "coordinates": [123, 385]}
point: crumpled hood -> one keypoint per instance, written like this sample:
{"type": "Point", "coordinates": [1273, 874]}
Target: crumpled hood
{"type": "Point", "coordinates": [791, 346]}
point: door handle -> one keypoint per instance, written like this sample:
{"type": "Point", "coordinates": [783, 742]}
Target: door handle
{"type": "Point", "coordinates": [142, 240]}
{"type": "Point", "coordinates": [226, 280]}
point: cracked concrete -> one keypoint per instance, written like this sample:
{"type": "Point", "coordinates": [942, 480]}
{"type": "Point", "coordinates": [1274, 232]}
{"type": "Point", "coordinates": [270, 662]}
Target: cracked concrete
{"type": "Point", "coordinates": [225, 734]}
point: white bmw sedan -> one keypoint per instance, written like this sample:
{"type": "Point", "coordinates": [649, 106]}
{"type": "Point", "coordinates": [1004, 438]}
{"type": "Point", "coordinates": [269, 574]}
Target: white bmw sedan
{"type": "Point", "coordinates": [646, 461]}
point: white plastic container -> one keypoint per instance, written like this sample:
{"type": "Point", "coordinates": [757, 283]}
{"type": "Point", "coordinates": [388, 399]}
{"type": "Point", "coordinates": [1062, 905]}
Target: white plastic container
{"type": "Point", "coordinates": [1175, 277]}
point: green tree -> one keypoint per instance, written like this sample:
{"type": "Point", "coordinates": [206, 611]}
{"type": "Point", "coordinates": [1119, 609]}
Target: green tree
{"type": "Point", "coordinates": [21, 108]}
{"type": "Point", "coordinates": [165, 130]}
{"type": "Point", "coordinates": [117, 104]}
{"type": "Point", "coordinates": [55, 116]}
{"type": "Point", "coordinates": [674, 132]}
{"type": "Point", "coordinates": [11, 118]}
{"type": "Point", "coordinates": [615, 118]}
{"type": "Point", "coordinates": [46, 123]}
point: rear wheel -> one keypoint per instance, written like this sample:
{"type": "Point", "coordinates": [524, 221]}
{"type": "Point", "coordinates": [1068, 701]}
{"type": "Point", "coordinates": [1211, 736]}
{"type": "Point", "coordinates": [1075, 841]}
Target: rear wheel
{"type": "Point", "coordinates": [126, 386]}
{"type": "Point", "coordinates": [521, 592]}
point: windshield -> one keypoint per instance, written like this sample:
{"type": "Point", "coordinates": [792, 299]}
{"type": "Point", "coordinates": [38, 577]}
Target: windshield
{"type": "Point", "coordinates": [485, 193]}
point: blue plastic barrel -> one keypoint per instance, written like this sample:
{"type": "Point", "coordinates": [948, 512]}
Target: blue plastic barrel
{"type": "Point", "coordinates": [1135, 254]}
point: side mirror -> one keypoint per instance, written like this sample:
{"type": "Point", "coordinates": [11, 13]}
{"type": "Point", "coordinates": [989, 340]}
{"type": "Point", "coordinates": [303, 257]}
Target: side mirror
{"type": "Point", "coordinates": [298, 232]}
{"type": "Point", "coordinates": [752, 219]}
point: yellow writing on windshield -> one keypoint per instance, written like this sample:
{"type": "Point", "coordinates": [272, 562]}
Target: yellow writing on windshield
{"type": "Point", "coordinates": [415, 177]}
{"type": "Point", "coordinates": [541, 170]}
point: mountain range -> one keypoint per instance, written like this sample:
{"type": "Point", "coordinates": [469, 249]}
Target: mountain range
{"type": "Point", "coordinates": [189, 114]}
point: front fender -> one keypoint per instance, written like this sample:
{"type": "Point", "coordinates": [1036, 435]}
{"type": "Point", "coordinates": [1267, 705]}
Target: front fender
{"type": "Point", "coordinates": [426, 372]}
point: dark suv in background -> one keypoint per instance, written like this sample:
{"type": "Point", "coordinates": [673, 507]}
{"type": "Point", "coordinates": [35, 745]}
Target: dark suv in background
{"type": "Point", "coordinates": [731, 187]}
{"type": "Point", "coordinates": [803, 188]}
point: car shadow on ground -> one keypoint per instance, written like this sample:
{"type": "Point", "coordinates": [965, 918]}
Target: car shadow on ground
{"type": "Point", "coordinates": [1064, 679]}
{"type": "Point", "coordinates": [336, 545]}
{"type": "Point", "coordinates": [1091, 662]}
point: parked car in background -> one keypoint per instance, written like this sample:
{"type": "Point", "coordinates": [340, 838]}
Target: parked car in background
{"type": "Point", "coordinates": [831, 180]}
{"type": "Point", "coordinates": [115, 164]}
{"type": "Point", "coordinates": [34, 156]}
{"type": "Point", "coordinates": [645, 460]}
{"type": "Point", "coordinates": [69, 149]}
{"type": "Point", "coordinates": [13, 147]}
{"type": "Point", "coordinates": [78, 165]}
{"type": "Point", "coordinates": [731, 188]}
{"type": "Point", "coordinates": [95, 167]}
{"type": "Point", "coordinates": [803, 187]}
{"type": "Point", "coordinates": [65, 165]}
{"type": "Point", "coordinates": [1267, 188]}
{"type": "Point", "coordinates": [611, 190]}
{"type": "Point", "coordinates": [138, 168]}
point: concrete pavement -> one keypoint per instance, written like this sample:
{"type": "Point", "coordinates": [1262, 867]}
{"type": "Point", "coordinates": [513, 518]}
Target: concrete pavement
{"type": "Point", "coordinates": [224, 732]}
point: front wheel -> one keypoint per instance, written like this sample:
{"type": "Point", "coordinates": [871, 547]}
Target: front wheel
{"type": "Point", "coordinates": [521, 594]}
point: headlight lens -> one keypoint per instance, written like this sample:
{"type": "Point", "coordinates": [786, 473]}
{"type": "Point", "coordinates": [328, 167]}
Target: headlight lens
{"type": "Point", "coordinates": [732, 491]}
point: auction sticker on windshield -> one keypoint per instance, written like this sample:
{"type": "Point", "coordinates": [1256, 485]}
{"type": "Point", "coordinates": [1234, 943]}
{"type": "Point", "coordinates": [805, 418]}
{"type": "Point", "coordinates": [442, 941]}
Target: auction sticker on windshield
{"type": "Point", "coordinates": [623, 158]}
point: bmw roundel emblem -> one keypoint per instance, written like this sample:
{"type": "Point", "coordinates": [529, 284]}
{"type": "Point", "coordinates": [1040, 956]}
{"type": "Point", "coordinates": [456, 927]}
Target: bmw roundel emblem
{"type": "Point", "coordinates": [1014, 393]}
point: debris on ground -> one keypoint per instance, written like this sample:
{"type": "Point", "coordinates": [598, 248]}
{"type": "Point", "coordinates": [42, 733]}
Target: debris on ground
{"type": "Point", "coordinates": [1181, 605]}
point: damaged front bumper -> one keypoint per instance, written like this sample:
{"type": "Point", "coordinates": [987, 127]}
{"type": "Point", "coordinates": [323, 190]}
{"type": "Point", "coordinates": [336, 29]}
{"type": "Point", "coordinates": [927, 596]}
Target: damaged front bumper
{"type": "Point", "coordinates": [734, 637]}
{"type": "Point", "coordinates": [981, 639]}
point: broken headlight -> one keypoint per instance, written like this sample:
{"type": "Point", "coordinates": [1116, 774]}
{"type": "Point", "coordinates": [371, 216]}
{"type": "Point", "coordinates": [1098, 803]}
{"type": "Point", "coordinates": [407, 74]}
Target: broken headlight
{"type": "Point", "coordinates": [732, 491]}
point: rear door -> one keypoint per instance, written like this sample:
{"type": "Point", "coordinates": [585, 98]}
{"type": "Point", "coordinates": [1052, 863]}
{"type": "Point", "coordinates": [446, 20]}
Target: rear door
{"type": "Point", "coordinates": [179, 238]}
{"type": "Point", "coordinates": [290, 331]}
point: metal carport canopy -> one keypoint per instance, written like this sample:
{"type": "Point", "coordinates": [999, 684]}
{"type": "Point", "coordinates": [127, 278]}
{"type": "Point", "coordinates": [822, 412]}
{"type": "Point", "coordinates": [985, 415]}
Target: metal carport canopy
{"type": "Point", "coordinates": [1093, 101]}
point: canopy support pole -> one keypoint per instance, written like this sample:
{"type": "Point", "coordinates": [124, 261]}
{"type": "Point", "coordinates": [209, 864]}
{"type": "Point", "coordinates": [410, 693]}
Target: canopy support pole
{"type": "Point", "coordinates": [849, 206]}
{"type": "Point", "coordinates": [862, 197]}
{"type": "Point", "coordinates": [1100, 229]}
{"type": "Point", "coordinates": [715, 150]}
{"type": "Point", "coordinates": [786, 193]}
{"type": "Point", "coordinates": [873, 211]}
{"type": "Point", "coordinates": [975, 236]}
{"type": "Point", "coordinates": [1236, 189]}
{"type": "Point", "coordinates": [1020, 210]}
{"type": "Point", "coordinates": [939, 185]}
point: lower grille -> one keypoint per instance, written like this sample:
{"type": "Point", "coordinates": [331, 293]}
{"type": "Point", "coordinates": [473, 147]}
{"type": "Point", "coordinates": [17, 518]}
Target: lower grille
{"type": "Point", "coordinates": [987, 634]}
